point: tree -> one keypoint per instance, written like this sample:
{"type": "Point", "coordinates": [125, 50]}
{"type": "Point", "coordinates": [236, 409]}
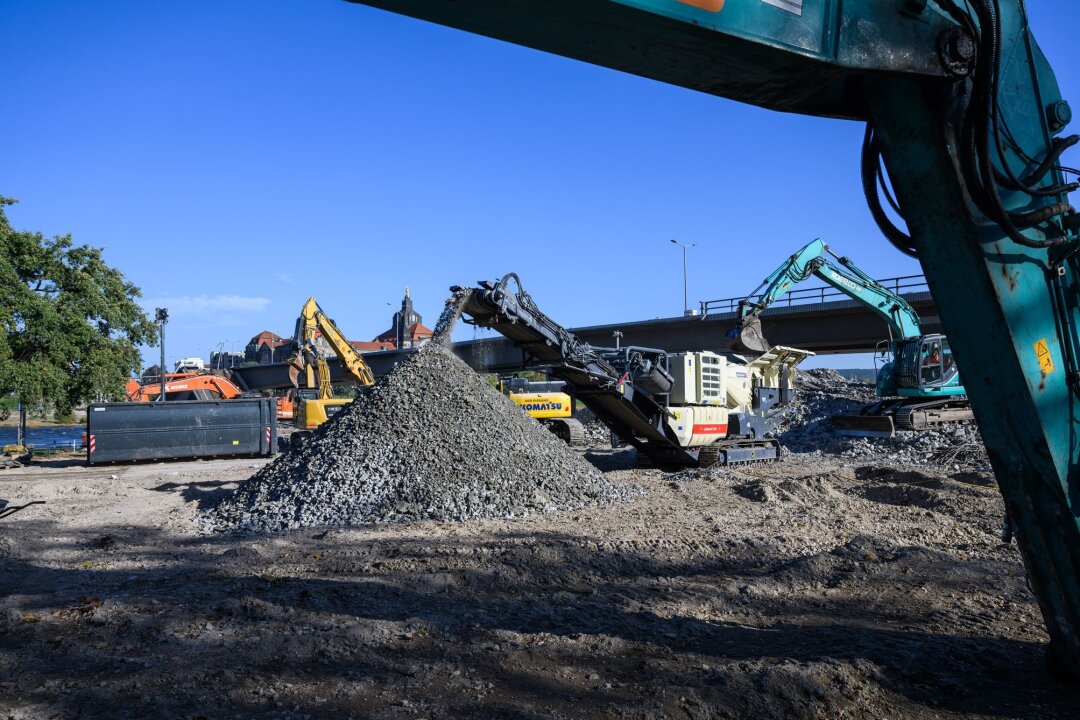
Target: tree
{"type": "Point", "coordinates": [71, 323]}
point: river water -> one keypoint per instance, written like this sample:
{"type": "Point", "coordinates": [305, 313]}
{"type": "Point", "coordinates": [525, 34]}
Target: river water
{"type": "Point", "coordinates": [47, 436]}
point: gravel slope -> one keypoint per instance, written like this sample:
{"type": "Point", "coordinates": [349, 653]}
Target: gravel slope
{"type": "Point", "coordinates": [431, 440]}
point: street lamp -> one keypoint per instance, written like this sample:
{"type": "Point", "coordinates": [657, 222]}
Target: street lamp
{"type": "Point", "coordinates": [161, 316]}
{"type": "Point", "coordinates": [685, 296]}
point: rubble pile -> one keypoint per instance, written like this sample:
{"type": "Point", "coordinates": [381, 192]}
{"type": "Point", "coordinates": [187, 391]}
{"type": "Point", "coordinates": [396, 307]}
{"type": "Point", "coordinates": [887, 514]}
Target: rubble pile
{"type": "Point", "coordinates": [822, 393]}
{"type": "Point", "coordinates": [431, 440]}
{"type": "Point", "coordinates": [597, 434]}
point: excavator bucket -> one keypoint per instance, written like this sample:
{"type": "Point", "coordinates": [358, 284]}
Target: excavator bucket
{"type": "Point", "coordinates": [879, 426]}
{"type": "Point", "coordinates": [748, 337]}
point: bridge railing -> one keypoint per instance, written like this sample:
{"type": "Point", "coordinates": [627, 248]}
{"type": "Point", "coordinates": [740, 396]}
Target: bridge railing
{"type": "Point", "coordinates": [902, 285]}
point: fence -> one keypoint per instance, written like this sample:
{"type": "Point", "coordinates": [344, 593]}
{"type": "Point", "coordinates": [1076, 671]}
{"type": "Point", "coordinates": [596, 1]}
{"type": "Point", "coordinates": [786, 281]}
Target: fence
{"type": "Point", "coordinates": [903, 285]}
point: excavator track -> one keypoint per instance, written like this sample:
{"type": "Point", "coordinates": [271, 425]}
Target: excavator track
{"type": "Point", "coordinates": [569, 430]}
{"type": "Point", "coordinates": [916, 416]}
{"type": "Point", "coordinates": [883, 419]}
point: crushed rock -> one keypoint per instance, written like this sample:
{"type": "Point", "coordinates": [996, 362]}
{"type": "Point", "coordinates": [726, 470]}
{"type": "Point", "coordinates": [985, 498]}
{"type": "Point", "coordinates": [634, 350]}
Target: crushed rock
{"type": "Point", "coordinates": [431, 440]}
{"type": "Point", "coordinates": [597, 434]}
{"type": "Point", "coordinates": [821, 393]}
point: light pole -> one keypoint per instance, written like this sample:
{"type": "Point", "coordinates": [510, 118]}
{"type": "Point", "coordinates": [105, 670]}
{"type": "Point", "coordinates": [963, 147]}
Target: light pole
{"type": "Point", "coordinates": [685, 296]}
{"type": "Point", "coordinates": [161, 316]}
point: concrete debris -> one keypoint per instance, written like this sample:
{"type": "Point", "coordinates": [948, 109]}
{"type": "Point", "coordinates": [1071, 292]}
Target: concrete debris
{"type": "Point", "coordinates": [431, 440]}
{"type": "Point", "coordinates": [822, 393]}
{"type": "Point", "coordinates": [597, 434]}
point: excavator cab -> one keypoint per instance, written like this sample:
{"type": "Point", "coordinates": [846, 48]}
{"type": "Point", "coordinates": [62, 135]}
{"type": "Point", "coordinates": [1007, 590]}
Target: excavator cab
{"type": "Point", "coordinates": [925, 367]}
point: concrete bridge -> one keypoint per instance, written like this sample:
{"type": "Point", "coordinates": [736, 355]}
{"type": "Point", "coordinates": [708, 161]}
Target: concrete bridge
{"type": "Point", "coordinates": [821, 319]}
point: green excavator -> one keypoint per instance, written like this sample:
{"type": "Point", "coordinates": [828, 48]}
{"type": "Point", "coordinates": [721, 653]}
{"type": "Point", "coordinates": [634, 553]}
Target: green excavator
{"type": "Point", "coordinates": [919, 385]}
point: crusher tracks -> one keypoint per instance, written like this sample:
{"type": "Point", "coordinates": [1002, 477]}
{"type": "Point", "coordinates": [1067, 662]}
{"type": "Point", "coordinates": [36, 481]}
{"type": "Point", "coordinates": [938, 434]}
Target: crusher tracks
{"type": "Point", "coordinates": [569, 430]}
{"type": "Point", "coordinates": [725, 452]}
{"type": "Point", "coordinates": [739, 452]}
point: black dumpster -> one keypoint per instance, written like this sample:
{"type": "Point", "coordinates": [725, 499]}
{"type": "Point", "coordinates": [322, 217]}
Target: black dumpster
{"type": "Point", "coordinates": [118, 432]}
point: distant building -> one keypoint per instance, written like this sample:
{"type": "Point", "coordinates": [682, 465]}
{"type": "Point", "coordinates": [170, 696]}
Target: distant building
{"type": "Point", "coordinates": [267, 347]}
{"type": "Point", "coordinates": [222, 360]}
{"type": "Point", "coordinates": [408, 328]}
{"type": "Point", "coordinates": [407, 331]}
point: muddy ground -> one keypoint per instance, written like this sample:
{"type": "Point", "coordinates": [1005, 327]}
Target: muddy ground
{"type": "Point", "coordinates": [808, 588]}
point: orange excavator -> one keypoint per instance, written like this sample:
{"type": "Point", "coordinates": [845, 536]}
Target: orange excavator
{"type": "Point", "coordinates": [202, 385]}
{"type": "Point", "coordinates": [184, 386]}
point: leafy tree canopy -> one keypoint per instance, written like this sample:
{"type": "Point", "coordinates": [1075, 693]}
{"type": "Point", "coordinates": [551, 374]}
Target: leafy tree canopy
{"type": "Point", "coordinates": [71, 323]}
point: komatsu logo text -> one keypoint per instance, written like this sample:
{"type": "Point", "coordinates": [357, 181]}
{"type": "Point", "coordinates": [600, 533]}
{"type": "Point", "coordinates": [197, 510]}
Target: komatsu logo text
{"type": "Point", "coordinates": [542, 407]}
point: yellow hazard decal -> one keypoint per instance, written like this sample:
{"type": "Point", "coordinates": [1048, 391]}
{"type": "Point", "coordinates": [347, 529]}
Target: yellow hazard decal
{"type": "Point", "coordinates": [1046, 362]}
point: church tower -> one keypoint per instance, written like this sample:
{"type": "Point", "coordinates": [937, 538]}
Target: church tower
{"type": "Point", "coordinates": [405, 320]}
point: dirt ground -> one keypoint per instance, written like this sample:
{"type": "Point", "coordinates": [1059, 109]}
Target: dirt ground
{"type": "Point", "coordinates": [807, 588]}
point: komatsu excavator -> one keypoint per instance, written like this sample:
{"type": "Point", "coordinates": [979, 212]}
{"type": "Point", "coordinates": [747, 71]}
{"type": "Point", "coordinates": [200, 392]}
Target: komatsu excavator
{"type": "Point", "coordinates": [919, 385]}
{"type": "Point", "coordinates": [690, 409]}
{"type": "Point", "coordinates": [310, 372]}
{"type": "Point", "coordinates": [964, 115]}
{"type": "Point", "coordinates": [546, 402]}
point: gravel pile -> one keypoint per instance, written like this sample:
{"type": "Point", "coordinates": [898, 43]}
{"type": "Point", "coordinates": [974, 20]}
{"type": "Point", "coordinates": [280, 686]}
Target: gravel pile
{"type": "Point", "coordinates": [431, 440]}
{"type": "Point", "coordinates": [822, 393]}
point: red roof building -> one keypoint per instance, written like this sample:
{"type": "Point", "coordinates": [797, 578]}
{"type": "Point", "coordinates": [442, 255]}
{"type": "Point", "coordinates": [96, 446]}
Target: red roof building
{"type": "Point", "coordinates": [267, 347]}
{"type": "Point", "coordinates": [407, 331]}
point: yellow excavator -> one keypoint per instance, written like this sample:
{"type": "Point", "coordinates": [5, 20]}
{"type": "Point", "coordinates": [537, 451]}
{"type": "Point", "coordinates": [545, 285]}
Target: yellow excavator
{"type": "Point", "coordinates": [310, 371]}
{"type": "Point", "coordinates": [548, 404]}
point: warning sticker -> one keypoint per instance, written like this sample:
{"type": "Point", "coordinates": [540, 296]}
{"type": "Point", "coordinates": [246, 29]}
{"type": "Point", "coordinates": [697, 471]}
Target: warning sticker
{"type": "Point", "coordinates": [792, 6]}
{"type": "Point", "coordinates": [1046, 362]}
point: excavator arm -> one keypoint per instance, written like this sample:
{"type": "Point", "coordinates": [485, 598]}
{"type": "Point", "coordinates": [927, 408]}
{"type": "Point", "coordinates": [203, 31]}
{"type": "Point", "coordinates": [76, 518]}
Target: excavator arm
{"type": "Point", "coordinates": [963, 113]}
{"type": "Point", "coordinates": [840, 273]}
{"type": "Point", "coordinates": [305, 358]}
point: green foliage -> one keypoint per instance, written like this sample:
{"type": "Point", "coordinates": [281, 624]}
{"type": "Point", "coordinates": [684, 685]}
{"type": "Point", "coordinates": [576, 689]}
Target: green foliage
{"type": "Point", "coordinates": [71, 323]}
{"type": "Point", "coordinates": [345, 391]}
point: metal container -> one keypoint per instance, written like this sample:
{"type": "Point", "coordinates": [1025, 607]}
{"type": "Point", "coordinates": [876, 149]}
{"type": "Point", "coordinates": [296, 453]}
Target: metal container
{"type": "Point", "coordinates": [120, 432]}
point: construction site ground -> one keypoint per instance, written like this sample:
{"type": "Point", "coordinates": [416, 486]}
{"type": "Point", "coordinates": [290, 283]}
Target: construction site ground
{"type": "Point", "coordinates": [815, 587]}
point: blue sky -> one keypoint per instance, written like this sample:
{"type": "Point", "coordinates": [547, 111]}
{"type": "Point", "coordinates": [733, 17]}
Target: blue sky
{"type": "Point", "coordinates": [234, 158]}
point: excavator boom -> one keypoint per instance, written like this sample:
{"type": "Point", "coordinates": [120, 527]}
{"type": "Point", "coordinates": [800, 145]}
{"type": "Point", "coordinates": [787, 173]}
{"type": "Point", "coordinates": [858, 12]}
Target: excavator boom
{"type": "Point", "coordinates": [313, 321]}
{"type": "Point", "coordinates": [840, 273]}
